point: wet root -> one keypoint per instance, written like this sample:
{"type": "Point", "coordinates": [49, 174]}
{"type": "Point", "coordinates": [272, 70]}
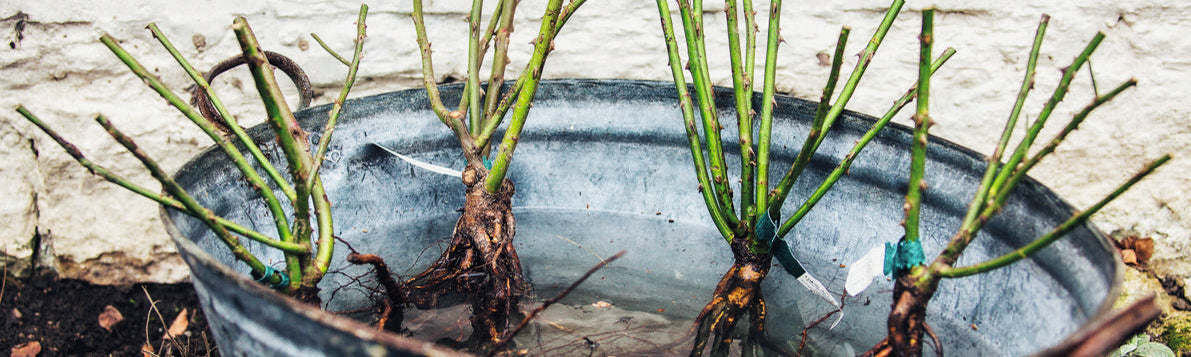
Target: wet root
{"type": "Point", "coordinates": [907, 321]}
{"type": "Point", "coordinates": [737, 294]}
{"type": "Point", "coordinates": [480, 264]}
{"type": "Point", "coordinates": [395, 295]}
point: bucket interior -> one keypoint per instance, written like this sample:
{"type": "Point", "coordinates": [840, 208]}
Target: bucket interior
{"type": "Point", "coordinates": [604, 166]}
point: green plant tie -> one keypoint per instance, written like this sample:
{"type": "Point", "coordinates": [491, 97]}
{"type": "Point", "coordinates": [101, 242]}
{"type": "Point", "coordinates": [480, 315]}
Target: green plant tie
{"type": "Point", "coordinates": [766, 232]}
{"type": "Point", "coordinates": [264, 279]}
{"type": "Point", "coordinates": [488, 163]}
{"type": "Point", "coordinates": [903, 256]}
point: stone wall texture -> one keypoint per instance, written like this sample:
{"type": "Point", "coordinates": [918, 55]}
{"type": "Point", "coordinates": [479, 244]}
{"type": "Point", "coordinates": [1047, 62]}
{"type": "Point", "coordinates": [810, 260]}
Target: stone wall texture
{"type": "Point", "coordinates": [56, 213]}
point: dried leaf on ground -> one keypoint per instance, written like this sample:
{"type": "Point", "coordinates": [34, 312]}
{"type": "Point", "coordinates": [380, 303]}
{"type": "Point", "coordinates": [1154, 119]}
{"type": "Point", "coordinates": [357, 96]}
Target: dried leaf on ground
{"type": "Point", "coordinates": [1142, 249]}
{"type": "Point", "coordinates": [110, 317]}
{"type": "Point", "coordinates": [178, 327]}
{"type": "Point", "coordinates": [147, 350]}
{"type": "Point", "coordinates": [1129, 256]}
{"type": "Point", "coordinates": [28, 349]}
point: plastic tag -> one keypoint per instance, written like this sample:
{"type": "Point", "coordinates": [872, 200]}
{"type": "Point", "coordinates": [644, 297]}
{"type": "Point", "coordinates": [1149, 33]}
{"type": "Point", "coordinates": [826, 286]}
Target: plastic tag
{"type": "Point", "coordinates": [781, 251]}
{"type": "Point", "coordinates": [862, 271]}
{"type": "Point", "coordinates": [422, 164]}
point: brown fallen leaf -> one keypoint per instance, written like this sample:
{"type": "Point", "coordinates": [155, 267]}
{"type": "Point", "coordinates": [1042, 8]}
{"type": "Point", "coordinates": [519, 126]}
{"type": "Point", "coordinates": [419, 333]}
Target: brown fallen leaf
{"type": "Point", "coordinates": [178, 327]}
{"type": "Point", "coordinates": [110, 317]}
{"type": "Point", "coordinates": [28, 349]}
{"type": "Point", "coordinates": [147, 350]}
{"type": "Point", "coordinates": [1142, 249]}
{"type": "Point", "coordinates": [1129, 256]}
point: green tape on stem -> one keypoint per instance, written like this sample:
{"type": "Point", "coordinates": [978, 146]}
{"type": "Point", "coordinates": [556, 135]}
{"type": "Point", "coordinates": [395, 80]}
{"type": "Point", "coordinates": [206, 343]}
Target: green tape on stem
{"type": "Point", "coordinates": [902, 256]}
{"type": "Point", "coordinates": [268, 274]}
{"type": "Point", "coordinates": [767, 230]}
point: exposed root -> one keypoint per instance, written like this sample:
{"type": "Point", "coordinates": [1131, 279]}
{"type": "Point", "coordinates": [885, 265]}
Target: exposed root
{"type": "Point", "coordinates": [480, 264]}
{"type": "Point", "coordinates": [737, 294]}
{"type": "Point", "coordinates": [396, 297]}
{"type": "Point", "coordinates": [309, 295]}
{"type": "Point", "coordinates": [907, 321]}
{"type": "Point", "coordinates": [934, 340]}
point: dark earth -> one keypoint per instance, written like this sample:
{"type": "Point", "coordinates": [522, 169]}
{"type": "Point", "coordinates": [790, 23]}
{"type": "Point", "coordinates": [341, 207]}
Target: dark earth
{"type": "Point", "coordinates": [63, 317]}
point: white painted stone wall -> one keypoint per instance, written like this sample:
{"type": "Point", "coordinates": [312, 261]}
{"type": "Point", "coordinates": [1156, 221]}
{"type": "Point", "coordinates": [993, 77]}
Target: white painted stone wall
{"type": "Point", "coordinates": [52, 63]}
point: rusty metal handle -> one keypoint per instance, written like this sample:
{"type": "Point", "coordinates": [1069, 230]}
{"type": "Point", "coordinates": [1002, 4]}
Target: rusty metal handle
{"type": "Point", "coordinates": [285, 64]}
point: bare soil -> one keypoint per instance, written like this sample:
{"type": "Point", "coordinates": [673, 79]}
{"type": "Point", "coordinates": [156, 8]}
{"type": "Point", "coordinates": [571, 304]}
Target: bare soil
{"type": "Point", "coordinates": [63, 317]}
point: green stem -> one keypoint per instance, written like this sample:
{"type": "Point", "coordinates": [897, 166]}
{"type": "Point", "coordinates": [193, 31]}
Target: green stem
{"type": "Point", "coordinates": [688, 116]}
{"type": "Point", "coordinates": [500, 60]}
{"type": "Point", "coordinates": [750, 50]}
{"type": "Point", "coordinates": [326, 241]}
{"type": "Point", "coordinates": [490, 31]}
{"type": "Point", "coordinates": [842, 169]}
{"type": "Point", "coordinates": [106, 174]}
{"type": "Point", "coordinates": [845, 95]}
{"type": "Point", "coordinates": [202, 213]}
{"type": "Point", "coordinates": [228, 118]}
{"type": "Point", "coordinates": [1071, 126]}
{"type": "Point", "coordinates": [510, 96]}
{"type": "Point", "coordinates": [258, 184]}
{"type": "Point", "coordinates": [289, 133]}
{"type": "Point", "coordinates": [1023, 168]}
{"type": "Point", "coordinates": [995, 191]}
{"type": "Point", "coordinates": [290, 136]}
{"type": "Point", "coordinates": [322, 204]}
{"type": "Point", "coordinates": [692, 21]}
{"type": "Point", "coordinates": [464, 102]}
{"type": "Point", "coordinates": [999, 187]}
{"type": "Point", "coordinates": [744, 97]}
{"type": "Point", "coordinates": [337, 108]}
{"type": "Point", "coordinates": [475, 115]}
{"type": "Point", "coordinates": [866, 57]}
{"type": "Point", "coordinates": [329, 50]}
{"type": "Point", "coordinates": [453, 120]}
{"type": "Point", "coordinates": [541, 48]}
{"type": "Point", "coordinates": [922, 123]}
{"type": "Point", "coordinates": [1056, 234]}
{"type": "Point", "coordinates": [817, 129]}
{"type": "Point", "coordinates": [769, 84]}
{"type": "Point", "coordinates": [994, 161]}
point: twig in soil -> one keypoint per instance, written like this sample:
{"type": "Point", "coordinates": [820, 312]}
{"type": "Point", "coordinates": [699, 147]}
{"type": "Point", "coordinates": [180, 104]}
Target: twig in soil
{"type": "Point", "coordinates": [509, 337]}
{"type": "Point", "coordinates": [167, 337]}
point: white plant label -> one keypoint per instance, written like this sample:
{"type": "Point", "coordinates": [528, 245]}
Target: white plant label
{"type": "Point", "coordinates": [422, 164]}
{"type": "Point", "coordinates": [862, 272]}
